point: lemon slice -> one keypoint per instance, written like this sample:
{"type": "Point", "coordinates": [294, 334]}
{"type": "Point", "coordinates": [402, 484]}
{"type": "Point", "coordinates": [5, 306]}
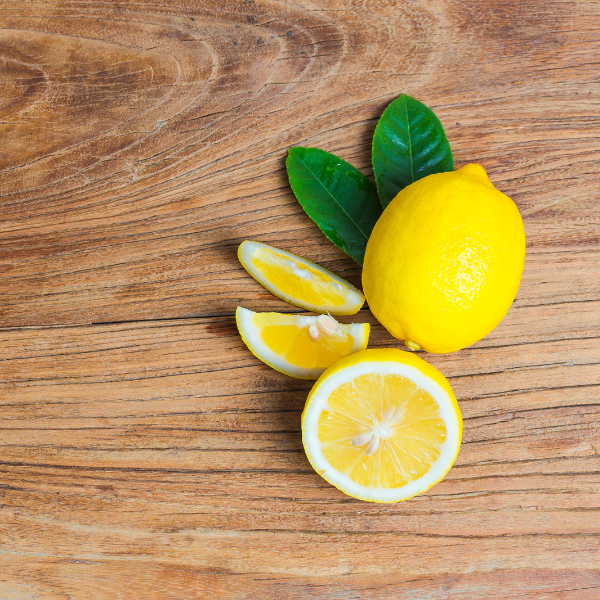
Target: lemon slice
{"type": "Point", "coordinates": [382, 425]}
{"type": "Point", "coordinates": [298, 345]}
{"type": "Point", "coordinates": [299, 281]}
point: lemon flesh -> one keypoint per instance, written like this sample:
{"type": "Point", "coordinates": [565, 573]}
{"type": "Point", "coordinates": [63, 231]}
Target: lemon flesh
{"type": "Point", "coordinates": [382, 425]}
{"type": "Point", "coordinates": [444, 261]}
{"type": "Point", "coordinates": [299, 281]}
{"type": "Point", "coordinates": [296, 344]}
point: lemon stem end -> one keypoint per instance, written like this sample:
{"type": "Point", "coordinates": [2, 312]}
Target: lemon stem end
{"type": "Point", "coordinates": [411, 345]}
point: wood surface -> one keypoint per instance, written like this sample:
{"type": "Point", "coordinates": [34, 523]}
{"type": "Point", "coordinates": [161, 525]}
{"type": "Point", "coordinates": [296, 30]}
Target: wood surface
{"type": "Point", "coordinates": [144, 452]}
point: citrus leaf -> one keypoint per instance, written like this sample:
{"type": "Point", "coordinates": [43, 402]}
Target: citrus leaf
{"type": "Point", "coordinates": [336, 196]}
{"type": "Point", "coordinates": [409, 143]}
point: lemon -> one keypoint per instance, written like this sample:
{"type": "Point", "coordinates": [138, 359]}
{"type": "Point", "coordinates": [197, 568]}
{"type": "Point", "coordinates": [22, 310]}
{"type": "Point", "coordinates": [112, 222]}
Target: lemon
{"type": "Point", "coordinates": [444, 261]}
{"type": "Point", "coordinates": [298, 345]}
{"type": "Point", "coordinates": [299, 281]}
{"type": "Point", "coordinates": [382, 425]}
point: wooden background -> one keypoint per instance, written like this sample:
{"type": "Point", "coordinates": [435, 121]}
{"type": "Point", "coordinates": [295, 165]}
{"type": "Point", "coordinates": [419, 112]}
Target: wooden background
{"type": "Point", "coordinates": [144, 452]}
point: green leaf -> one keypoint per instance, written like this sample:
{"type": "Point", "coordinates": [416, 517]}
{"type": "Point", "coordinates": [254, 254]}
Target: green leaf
{"type": "Point", "coordinates": [409, 144]}
{"type": "Point", "coordinates": [336, 196]}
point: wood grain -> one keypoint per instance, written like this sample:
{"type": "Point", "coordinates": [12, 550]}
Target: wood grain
{"type": "Point", "coordinates": [144, 452]}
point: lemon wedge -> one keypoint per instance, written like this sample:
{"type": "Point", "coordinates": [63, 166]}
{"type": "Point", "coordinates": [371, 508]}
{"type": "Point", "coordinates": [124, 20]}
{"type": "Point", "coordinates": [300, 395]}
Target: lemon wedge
{"type": "Point", "coordinates": [299, 281]}
{"type": "Point", "coordinates": [298, 345]}
{"type": "Point", "coordinates": [382, 425]}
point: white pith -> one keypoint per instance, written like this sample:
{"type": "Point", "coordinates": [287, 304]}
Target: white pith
{"type": "Point", "coordinates": [354, 299]}
{"type": "Point", "coordinates": [252, 338]}
{"type": "Point", "coordinates": [318, 403]}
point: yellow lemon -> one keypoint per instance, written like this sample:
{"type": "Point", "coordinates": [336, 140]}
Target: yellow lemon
{"type": "Point", "coordinates": [298, 345]}
{"type": "Point", "coordinates": [444, 261]}
{"type": "Point", "coordinates": [299, 281]}
{"type": "Point", "coordinates": [382, 425]}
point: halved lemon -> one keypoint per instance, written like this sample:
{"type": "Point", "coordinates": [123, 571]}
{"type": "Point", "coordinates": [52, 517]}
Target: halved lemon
{"type": "Point", "coordinates": [382, 425]}
{"type": "Point", "coordinates": [299, 281]}
{"type": "Point", "coordinates": [298, 345]}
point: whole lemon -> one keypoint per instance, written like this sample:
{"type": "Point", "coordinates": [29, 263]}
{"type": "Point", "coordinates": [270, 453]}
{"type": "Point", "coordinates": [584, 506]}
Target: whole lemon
{"type": "Point", "coordinates": [444, 261]}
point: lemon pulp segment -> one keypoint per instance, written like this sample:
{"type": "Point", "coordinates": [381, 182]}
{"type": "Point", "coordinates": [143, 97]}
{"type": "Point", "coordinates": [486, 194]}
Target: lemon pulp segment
{"type": "Point", "coordinates": [292, 278]}
{"type": "Point", "coordinates": [288, 336]}
{"type": "Point", "coordinates": [392, 409]}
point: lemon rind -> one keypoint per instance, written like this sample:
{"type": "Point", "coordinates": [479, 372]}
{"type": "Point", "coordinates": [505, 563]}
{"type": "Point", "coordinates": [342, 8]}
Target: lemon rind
{"type": "Point", "coordinates": [243, 317]}
{"type": "Point", "coordinates": [415, 299]}
{"type": "Point", "coordinates": [317, 401]}
{"type": "Point", "coordinates": [354, 298]}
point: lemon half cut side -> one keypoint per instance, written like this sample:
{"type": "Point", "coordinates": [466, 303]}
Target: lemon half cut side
{"type": "Point", "coordinates": [299, 281]}
{"type": "Point", "coordinates": [298, 345]}
{"type": "Point", "coordinates": [382, 425]}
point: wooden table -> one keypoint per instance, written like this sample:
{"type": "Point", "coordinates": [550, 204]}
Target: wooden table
{"type": "Point", "coordinates": [144, 452]}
